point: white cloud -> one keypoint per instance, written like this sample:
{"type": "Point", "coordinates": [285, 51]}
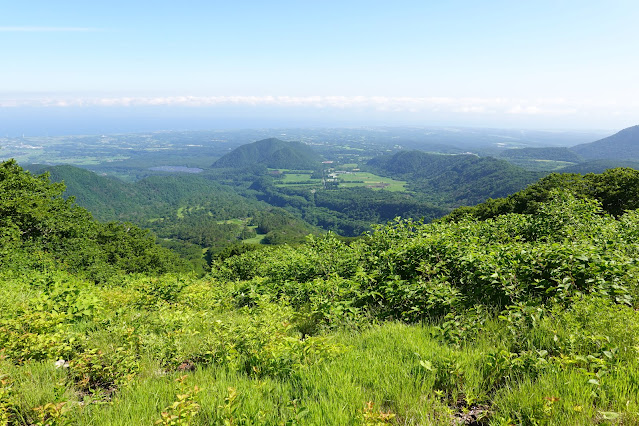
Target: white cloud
{"type": "Point", "coordinates": [410, 105]}
{"type": "Point", "coordinates": [549, 109]}
{"type": "Point", "coordinates": [478, 109]}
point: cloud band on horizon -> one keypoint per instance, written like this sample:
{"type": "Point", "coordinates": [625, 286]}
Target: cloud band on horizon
{"type": "Point", "coordinates": [470, 105]}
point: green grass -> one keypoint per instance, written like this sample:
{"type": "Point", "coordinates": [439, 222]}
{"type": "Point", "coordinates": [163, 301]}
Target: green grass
{"type": "Point", "coordinates": [349, 148]}
{"type": "Point", "coordinates": [308, 171]}
{"type": "Point", "coordinates": [374, 368]}
{"type": "Point", "coordinates": [297, 178]}
{"type": "Point", "coordinates": [350, 180]}
{"type": "Point", "coordinates": [504, 330]}
{"type": "Point", "coordinates": [372, 181]}
{"type": "Point", "coordinates": [255, 240]}
{"type": "Point", "coordinates": [406, 374]}
{"type": "Point", "coordinates": [181, 211]}
{"type": "Point", "coordinates": [347, 166]}
{"type": "Point", "coordinates": [541, 165]}
{"type": "Point", "coordinates": [383, 366]}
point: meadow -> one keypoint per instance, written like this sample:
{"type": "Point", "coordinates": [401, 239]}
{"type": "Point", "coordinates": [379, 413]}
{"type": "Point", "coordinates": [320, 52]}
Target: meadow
{"type": "Point", "coordinates": [349, 179]}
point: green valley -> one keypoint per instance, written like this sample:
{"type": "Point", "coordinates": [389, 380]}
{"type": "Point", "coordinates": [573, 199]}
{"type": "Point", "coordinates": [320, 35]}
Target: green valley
{"type": "Point", "coordinates": [319, 283]}
{"type": "Point", "coordinates": [524, 316]}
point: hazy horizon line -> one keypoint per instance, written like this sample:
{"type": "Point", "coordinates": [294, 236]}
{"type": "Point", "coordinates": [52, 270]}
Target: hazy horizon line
{"type": "Point", "coordinates": [410, 104]}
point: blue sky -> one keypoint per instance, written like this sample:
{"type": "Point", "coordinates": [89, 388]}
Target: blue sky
{"type": "Point", "coordinates": [551, 64]}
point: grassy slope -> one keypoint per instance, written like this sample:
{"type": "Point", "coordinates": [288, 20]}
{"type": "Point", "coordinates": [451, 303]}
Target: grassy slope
{"type": "Point", "coordinates": [519, 319]}
{"type": "Point", "coordinates": [310, 334]}
{"type": "Point", "coordinates": [409, 373]}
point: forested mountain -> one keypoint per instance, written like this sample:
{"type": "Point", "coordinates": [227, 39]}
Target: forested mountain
{"type": "Point", "coordinates": [348, 211]}
{"type": "Point", "coordinates": [190, 213]}
{"type": "Point", "coordinates": [454, 180]}
{"type": "Point", "coordinates": [107, 198]}
{"type": "Point", "coordinates": [617, 191]}
{"type": "Point", "coordinates": [40, 227]}
{"type": "Point", "coordinates": [418, 163]}
{"type": "Point", "coordinates": [599, 166]}
{"type": "Point", "coordinates": [623, 145]}
{"type": "Point", "coordinates": [156, 196]}
{"type": "Point", "coordinates": [548, 153]}
{"type": "Point", "coordinates": [199, 210]}
{"type": "Point", "coordinates": [215, 209]}
{"type": "Point", "coordinates": [273, 153]}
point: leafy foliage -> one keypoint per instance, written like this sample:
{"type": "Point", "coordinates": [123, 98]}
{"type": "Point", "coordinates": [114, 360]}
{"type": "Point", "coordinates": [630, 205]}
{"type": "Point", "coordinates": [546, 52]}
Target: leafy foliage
{"type": "Point", "coordinates": [413, 270]}
{"type": "Point", "coordinates": [35, 219]}
{"type": "Point", "coordinates": [522, 318]}
{"type": "Point", "coordinates": [616, 189]}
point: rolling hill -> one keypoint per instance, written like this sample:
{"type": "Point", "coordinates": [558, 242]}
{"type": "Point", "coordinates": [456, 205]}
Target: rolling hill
{"type": "Point", "coordinates": [546, 153]}
{"type": "Point", "coordinates": [106, 198]}
{"type": "Point", "coordinates": [454, 180]}
{"type": "Point", "coordinates": [617, 191]}
{"type": "Point", "coordinates": [523, 319]}
{"type": "Point", "coordinates": [273, 153]}
{"type": "Point", "coordinates": [623, 145]}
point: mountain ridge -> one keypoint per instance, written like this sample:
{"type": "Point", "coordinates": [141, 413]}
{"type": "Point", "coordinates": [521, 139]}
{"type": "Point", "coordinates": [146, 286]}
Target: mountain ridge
{"type": "Point", "coordinates": [623, 145]}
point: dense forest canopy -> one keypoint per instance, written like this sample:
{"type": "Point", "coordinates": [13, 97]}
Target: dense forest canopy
{"type": "Point", "coordinates": [454, 180]}
{"type": "Point", "coordinates": [39, 226]}
{"type": "Point", "coordinates": [551, 153]}
{"type": "Point", "coordinates": [274, 153]}
{"type": "Point", "coordinates": [617, 190]}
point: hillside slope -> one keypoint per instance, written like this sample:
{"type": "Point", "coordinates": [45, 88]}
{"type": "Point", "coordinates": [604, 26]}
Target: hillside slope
{"type": "Point", "coordinates": [454, 179]}
{"type": "Point", "coordinates": [108, 198]}
{"type": "Point", "coordinates": [623, 145]}
{"type": "Point", "coordinates": [524, 319]}
{"type": "Point", "coordinates": [273, 153]}
{"type": "Point", "coordinates": [548, 153]}
{"type": "Point", "coordinates": [37, 225]}
{"type": "Point", "coordinates": [617, 190]}
{"type": "Point", "coordinates": [599, 166]}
